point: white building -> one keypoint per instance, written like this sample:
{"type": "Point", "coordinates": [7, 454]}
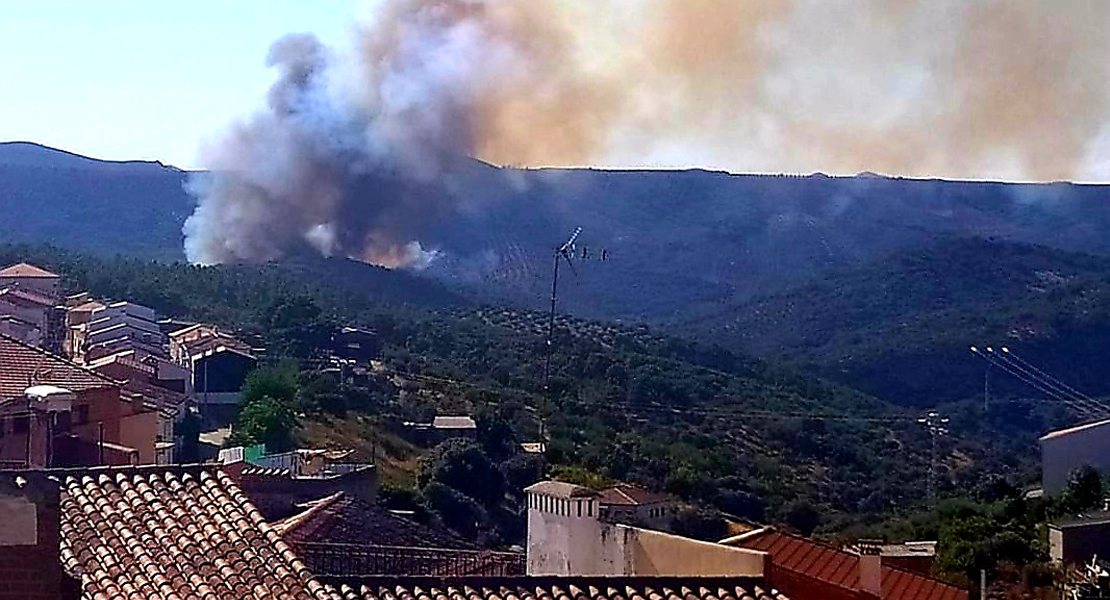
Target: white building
{"type": "Point", "coordinates": [122, 326]}
{"type": "Point", "coordinates": [1064, 450]}
{"type": "Point", "coordinates": [567, 537]}
{"type": "Point", "coordinates": [31, 278]}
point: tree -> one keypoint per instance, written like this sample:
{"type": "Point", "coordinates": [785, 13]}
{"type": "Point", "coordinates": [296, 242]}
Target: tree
{"type": "Point", "coordinates": [802, 516]}
{"type": "Point", "coordinates": [457, 510]}
{"type": "Point", "coordinates": [189, 430]}
{"type": "Point", "coordinates": [495, 434]}
{"type": "Point", "coordinates": [1084, 489]}
{"type": "Point", "coordinates": [279, 383]}
{"type": "Point", "coordinates": [521, 471]}
{"type": "Point", "coordinates": [297, 325]}
{"type": "Point", "coordinates": [461, 465]}
{"type": "Point", "coordinates": [700, 524]}
{"type": "Point", "coordinates": [268, 421]}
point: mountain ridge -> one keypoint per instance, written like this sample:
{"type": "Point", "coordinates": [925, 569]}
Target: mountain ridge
{"type": "Point", "coordinates": [678, 242]}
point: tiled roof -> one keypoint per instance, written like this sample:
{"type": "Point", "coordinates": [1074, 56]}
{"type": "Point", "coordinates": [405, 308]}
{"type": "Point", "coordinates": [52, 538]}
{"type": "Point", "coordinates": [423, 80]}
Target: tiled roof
{"type": "Point", "coordinates": [26, 270]}
{"type": "Point", "coordinates": [174, 534]}
{"type": "Point", "coordinates": [840, 568]}
{"type": "Point", "coordinates": [630, 495]}
{"type": "Point", "coordinates": [23, 365]}
{"type": "Point", "coordinates": [345, 519]}
{"type": "Point", "coordinates": [279, 472]}
{"type": "Point", "coordinates": [565, 588]}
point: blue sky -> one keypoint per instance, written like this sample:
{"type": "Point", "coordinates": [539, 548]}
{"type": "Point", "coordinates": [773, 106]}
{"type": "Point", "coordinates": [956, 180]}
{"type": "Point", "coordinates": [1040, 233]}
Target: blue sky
{"type": "Point", "coordinates": [143, 79]}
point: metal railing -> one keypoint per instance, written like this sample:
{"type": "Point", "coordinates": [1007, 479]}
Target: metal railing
{"type": "Point", "coordinates": [356, 560]}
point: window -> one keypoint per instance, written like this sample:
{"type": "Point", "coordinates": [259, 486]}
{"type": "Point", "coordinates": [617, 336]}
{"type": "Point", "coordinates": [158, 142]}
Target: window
{"type": "Point", "coordinates": [21, 424]}
{"type": "Point", "coordinates": [82, 415]}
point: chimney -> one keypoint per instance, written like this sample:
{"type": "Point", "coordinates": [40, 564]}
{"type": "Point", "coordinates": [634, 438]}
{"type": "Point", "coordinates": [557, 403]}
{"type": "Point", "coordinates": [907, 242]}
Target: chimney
{"type": "Point", "coordinates": [870, 569]}
{"type": "Point", "coordinates": [565, 535]}
{"type": "Point", "coordinates": [30, 538]}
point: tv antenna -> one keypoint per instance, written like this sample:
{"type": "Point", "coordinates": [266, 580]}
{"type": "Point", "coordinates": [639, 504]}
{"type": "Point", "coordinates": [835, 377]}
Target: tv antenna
{"type": "Point", "coordinates": [567, 252]}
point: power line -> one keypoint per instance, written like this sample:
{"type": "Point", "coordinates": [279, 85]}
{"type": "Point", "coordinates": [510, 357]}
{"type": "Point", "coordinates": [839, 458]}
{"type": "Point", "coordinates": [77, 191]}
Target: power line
{"type": "Point", "coordinates": [1031, 380]}
{"type": "Point", "coordinates": [1074, 392]}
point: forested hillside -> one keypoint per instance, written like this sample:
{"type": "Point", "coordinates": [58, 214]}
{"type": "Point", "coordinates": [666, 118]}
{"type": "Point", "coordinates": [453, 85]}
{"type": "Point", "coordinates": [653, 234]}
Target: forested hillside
{"type": "Point", "coordinates": [900, 327]}
{"type": "Point", "coordinates": [741, 435]}
{"type": "Point", "coordinates": [678, 242]}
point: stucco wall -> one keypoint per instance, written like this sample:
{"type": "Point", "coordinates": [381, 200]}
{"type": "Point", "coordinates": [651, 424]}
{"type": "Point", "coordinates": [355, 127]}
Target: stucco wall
{"type": "Point", "coordinates": [139, 431]}
{"type": "Point", "coordinates": [565, 545]}
{"type": "Point", "coordinates": [1075, 545]}
{"type": "Point", "coordinates": [1060, 455]}
{"type": "Point", "coordinates": [658, 553]}
{"type": "Point", "coordinates": [560, 542]}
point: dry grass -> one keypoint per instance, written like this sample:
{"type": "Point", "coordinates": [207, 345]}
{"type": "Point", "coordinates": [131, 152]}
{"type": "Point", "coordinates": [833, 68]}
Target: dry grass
{"type": "Point", "coordinates": [397, 459]}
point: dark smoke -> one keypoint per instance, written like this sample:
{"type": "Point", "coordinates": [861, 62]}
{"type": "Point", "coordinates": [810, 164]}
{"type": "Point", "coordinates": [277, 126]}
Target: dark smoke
{"type": "Point", "coordinates": [358, 149]}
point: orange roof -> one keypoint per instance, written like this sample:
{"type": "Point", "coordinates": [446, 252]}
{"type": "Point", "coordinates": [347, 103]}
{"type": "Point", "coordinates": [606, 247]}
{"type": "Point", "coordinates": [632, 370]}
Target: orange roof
{"type": "Point", "coordinates": [815, 560]}
{"type": "Point", "coordinates": [23, 365]}
{"type": "Point", "coordinates": [545, 588]}
{"type": "Point", "coordinates": [27, 270]}
{"type": "Point", "coordinates": [136, 533]}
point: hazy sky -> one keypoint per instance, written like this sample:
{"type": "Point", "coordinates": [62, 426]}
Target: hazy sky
{"type": "Point", "coordinates": [143, 79]}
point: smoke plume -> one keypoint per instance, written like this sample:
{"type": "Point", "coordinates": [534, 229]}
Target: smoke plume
{"type": "Point", "coordinates": [359, 148]}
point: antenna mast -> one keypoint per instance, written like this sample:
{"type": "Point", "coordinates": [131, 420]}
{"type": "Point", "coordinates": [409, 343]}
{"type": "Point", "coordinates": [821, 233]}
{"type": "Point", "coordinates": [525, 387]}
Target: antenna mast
{"type": "Point", "coordinates": [937, 426]}
{"type": "Point", "coordinates": [562, 252]}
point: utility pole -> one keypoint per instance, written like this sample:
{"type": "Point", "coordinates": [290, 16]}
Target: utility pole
{"type": "Point", "coordinates": [937, 426]}
{"type": "Point", "coordinates": [986, 388]}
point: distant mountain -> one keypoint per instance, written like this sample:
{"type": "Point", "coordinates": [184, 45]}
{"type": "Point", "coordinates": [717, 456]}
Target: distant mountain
{"type": "Point", "coordinates": [679, 243]}
{"type": "Point", "coordinates": [900, 327]}
{"type": "Point", "coordinates": [696, 241]}
{"type": "Point", "coordinates": [55, 197]}
{"type": "Point", "coordinates": [30, 154]}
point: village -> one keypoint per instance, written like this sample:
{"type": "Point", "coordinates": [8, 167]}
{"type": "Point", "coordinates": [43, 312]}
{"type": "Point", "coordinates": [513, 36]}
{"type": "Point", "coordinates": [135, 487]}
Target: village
{"type": "Point", "coordinates": [103, 498]}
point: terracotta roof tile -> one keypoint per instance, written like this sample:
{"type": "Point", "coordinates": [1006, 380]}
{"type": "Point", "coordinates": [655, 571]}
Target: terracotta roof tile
{"type": "Point", "coordinates": [566, 588]}
{"type": "Point", "coordinates": [813, 559]}
{"type": "Point", "coordinates": [22, 365]}
{"type": "Point", "coordinates": [345, 519]}
{"type": "Point", "coordinates": [153, 533]}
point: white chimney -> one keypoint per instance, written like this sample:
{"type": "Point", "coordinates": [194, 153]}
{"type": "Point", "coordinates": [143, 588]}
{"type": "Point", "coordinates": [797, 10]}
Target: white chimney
{"type": "Point", "coordinates": [564, 532]}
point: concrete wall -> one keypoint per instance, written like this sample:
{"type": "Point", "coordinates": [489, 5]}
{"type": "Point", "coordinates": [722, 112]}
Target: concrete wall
{"type": "Point", "coordinates": [1077, 544]}
{"type": "Point", "coordinates": [39, 316]}
{"type": "Point", "coordinates": [29, 564]}
{"type": "Point", "coordinates": [44, 286]}
{"type": "Point", "coordinates": [566, 537]}
{"type": "Point", "coordinates": [14, 447]}
{"type": "Point", "coordinates": [1060, 455]}
{"type": "Point", "coordinates": [139, 431]}
{"type": "Point", "coordinates": [562, 544]}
